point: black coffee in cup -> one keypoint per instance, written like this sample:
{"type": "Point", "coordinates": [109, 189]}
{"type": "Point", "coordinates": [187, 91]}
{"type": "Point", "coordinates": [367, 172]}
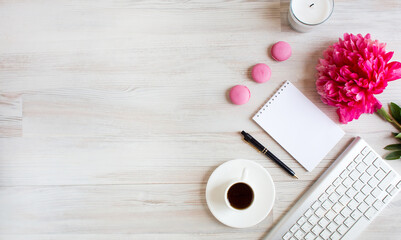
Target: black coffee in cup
{"type": "Point", "coordinates": [240, 195]}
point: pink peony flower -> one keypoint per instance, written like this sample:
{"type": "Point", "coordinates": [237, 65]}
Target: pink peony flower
{"type": "Point", "coordinates": [352, 71]}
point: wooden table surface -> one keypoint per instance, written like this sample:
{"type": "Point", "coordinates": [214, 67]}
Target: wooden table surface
{"type": "Point", "coordinates": [113, 114]}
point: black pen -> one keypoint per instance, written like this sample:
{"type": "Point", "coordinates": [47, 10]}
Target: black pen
{"type": "Point", "coordinates": [248, 138]}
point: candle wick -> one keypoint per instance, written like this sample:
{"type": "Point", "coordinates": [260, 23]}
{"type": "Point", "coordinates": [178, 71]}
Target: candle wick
{"type": "Point", "coordinates": [311, 5]}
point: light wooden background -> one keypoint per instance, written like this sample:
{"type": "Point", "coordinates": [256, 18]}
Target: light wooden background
{"type": "Point", "coordinates": [113, 114]}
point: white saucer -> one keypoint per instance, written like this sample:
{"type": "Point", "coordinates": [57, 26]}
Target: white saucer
{"type": "Point", "coordinates": [259, 179]}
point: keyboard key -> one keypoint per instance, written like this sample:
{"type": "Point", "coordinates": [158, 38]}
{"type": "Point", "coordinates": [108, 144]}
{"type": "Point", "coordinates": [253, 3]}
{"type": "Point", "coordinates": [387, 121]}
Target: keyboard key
{"type": "Point", "coordinates": [330, 215]}
{"type": "Point", "coordinates": [376, 192]}
{"type": "Point", "coordinates": [308, 213]}
{"type": "Point", "coordinates": [386, 199]}
{"type": "Point", "coordinates": [393, 192]}
{"type": "Point", "coordinates": [351, 192]}
{"type": "Point", "coordinates": [341, 189]}
{"type": "Point", "coordinates": [346, 212]}
{"type": "Point", "coordinates": [370, 213]}
{"type": "Point", "coordinates": [339, 219]}
{"type": "Point", "coordinates": [349, 222]}
{"type": "Point", "coordinates": [361, 167]}
{"type": "Point", "coordinates": [358, 185]}
{"type": "Point", "coordinates": [353, 204]}
{"type": "Point", "coordinates": [317, 229]}
{"type": "Point", "coordinates": [309, 236]}
{"type": "Point", "coordinates": [327, 204]}
{"type": "Point", "coordinates": [380, 174]}
{"type": "Point", "coordinates": [342, 229]}
{"type": "Point", "coordinates": [359, 197]}
{"type": "Point", "coordinates": [344, 200]}
{"type": "Point", "coordinates": [335, 236]}
{"type": "Point", "coordinates": [320, 212]}
{"type": "Point", "coordinates": [369, 199]}
{"type": "Point", "coordinates": [398, 185]}
{"type": "Point", "coordinates": [354, 175]}
{"type": "Point", "coordinates": [371, 170]}
{"type": "Point", "coordinates": [324, 222]}
{"type": "Point", "coordinates": [389, 188]}
{"type": "Point", "coordinates": [301, 220]}
{"type": "Point", "coordinates": [323, 197]}
{"type": "Point", "coordinates": [364, 177]}
{"type": "Point", "coordinates": [330, 189]}
{"type": "Point", "coordinates": [325, 234]}
{"type": "Point", "coordinates": [337, 182]}
{"type": "Point", "coordinates": [306, 227]}
{"type": "Point", "coordinates": [369, 158]}
{"type": "Point", "coordinates": [319, 238]}
{"type": "Point", "coordinates": [294, 228]}
{"type": "Point", "coordinates": [378, 205]}
{"type": "Point", "coordinates": [344, 173]}
{"type": "Point", "coordinates": [358, 158]}
{"type": "Point", "coordinates": [356, 214]}
{"type": "Point", "coordinates": [363, 207]}
{"type": "Point", "coordinates": [299, 234]}
{"type": "Point", "coordinates": [365, 150]}
{"type": "Point", "coordinates": [332, 227]}
{"type": "Point", "coordinates": [315, 205]}
{"type": "Point", "coordinates": [293, 238]}
{"type": "Point", "coordinates": [287, 236]}
{"type": "Point", "coordinates": [347, 182]}
{"type": "Point", "coordinates": [334, 197]}
{"type": "Point", "coordinates": [360, 224]}
{"type": "Point", "coordinates": [337, 207]}
{"type": "Point", "coordinates": [377, 163]}
{"type": "Point", "coordinates": [366, 189]}
{"type": "Point", "coordinates": [313, 219]}
{"type": "Point", "coordinates": [386, 180]}
{"type": "Point", "coordinates": [385, 168]}
{"type": "Point", "coordinates": [373, 182]}
{"type": "Point", "coordinates": [352, 165]}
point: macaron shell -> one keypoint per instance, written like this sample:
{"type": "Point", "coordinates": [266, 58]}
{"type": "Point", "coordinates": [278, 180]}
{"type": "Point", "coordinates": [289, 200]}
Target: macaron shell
{"type": "Point", "coordinates": [281, 51]}
{"type": "Point", "coordinates": [239, 94]}
{"type": "Point", "coordinates": [261, 73]}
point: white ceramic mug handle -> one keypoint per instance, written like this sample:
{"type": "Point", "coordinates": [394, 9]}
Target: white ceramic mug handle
{"type": "Point", "coordinates": [244, 174]}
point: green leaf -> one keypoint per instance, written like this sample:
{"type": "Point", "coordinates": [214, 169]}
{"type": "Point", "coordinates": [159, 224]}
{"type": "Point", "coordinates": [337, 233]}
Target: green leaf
{"type": "Point", "coordinates": [395, 112]}
{"type": "Point", "coordinates": [384, 114]}
{"type": "Point", "coordinates": [393, 147]}
{"type": "Point", "coordinates": [398, 135]}
{"type": "Point", "coordinates": [394, 155]}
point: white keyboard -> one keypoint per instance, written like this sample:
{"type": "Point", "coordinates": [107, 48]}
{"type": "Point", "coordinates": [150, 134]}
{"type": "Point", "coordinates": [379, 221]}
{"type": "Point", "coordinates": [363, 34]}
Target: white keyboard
{"type": "Point", "coordinates": [344, 200]}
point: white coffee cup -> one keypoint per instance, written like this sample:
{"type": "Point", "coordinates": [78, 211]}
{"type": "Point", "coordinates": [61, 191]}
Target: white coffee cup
{"type": "Point", "coordinates": [239, 194]}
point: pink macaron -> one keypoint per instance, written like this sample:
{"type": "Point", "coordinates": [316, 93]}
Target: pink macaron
{"type": "Point", "coordinates": [239, 94]}
{"type": "Point", "coordinates": [261, 73]}
{"type": "Point", "coordinates": [281, 51]}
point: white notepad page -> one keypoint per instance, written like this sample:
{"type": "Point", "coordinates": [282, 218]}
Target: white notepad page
{"type": "Point", "coordinates": [298, 126]}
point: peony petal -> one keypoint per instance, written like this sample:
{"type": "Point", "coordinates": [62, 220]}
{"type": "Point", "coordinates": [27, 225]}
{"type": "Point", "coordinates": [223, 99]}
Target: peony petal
{"type": "Point", "coordinates": [393, 71]}
{"type": "Point", "coordinates": [348, 114]}
{"type": "Point", "coordinates": [388, 56]}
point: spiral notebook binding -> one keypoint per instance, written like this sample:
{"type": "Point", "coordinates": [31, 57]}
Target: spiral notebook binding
{"type": "Point", "coordinates": [266, 105]}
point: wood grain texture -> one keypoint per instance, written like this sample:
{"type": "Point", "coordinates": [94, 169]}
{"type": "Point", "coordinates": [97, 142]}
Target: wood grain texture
{"type": "Point", "coordinates": [113, 114]}
{"type": "Point", "coordinates": [10, 115]}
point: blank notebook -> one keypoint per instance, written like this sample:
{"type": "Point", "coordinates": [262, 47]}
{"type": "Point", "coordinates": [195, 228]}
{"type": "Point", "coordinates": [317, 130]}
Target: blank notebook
{"type": "Point", "coordinates": [298, 126]}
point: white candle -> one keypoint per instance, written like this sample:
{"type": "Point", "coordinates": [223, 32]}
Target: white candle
{"type": "Point", "coordinates": [304, 15]}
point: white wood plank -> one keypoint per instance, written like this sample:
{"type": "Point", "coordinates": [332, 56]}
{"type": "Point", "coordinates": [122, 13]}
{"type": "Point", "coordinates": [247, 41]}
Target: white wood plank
{"type": "Point", "coordinates": [10, 115]}
{"type": "Point", "coordinates": [113, 114]}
